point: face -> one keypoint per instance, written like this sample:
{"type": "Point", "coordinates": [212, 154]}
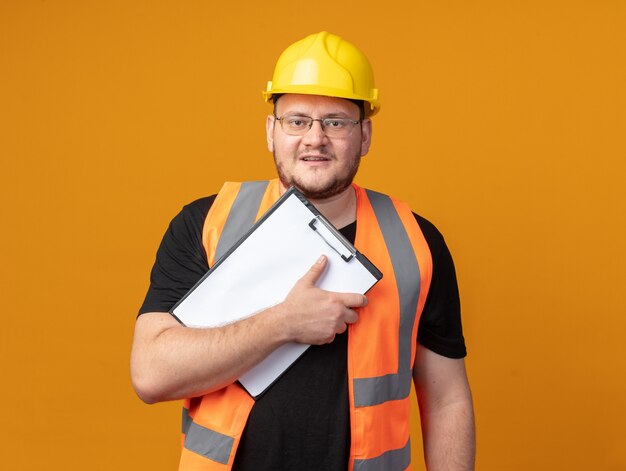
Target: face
{"type": "Point", "coordinates": [319, 166]}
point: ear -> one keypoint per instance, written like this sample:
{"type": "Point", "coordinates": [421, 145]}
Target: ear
{"type": "Point", "coordinates": [269, 131]}
{"type": "Point", "coordinates": [366, 136]}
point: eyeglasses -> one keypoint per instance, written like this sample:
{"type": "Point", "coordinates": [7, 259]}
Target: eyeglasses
{"type": "Point", "coordinates": [295, 125]}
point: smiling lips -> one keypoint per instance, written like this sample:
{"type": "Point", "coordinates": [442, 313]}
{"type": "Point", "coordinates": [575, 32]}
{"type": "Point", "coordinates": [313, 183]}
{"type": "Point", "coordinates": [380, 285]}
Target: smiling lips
{"type": "Point", "coordinates": [314, 158]}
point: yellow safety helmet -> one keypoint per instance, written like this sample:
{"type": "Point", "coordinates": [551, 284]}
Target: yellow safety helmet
{"type": "Point", "coordinates": [325, 64]}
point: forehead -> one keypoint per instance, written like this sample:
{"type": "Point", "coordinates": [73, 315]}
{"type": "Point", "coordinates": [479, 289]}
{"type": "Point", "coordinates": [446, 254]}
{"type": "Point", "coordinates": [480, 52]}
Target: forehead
{"type": "Point", "coordinates": [315, 105]}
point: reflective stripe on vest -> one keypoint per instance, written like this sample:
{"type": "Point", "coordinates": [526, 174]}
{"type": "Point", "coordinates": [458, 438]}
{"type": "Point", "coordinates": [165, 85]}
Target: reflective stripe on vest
{"type": "Point", "coordinates": [376, 390]}
{"type": "Point", "coordinates": [379, 403]}
{"type": "Point", "coordinates": [390, 460]}
{"type": "Point", "coordinates": [208, 443]}
{"type": "Point", "coordinates": [210, 439]}
{"type": "Point", "coordinates": [242, 215]}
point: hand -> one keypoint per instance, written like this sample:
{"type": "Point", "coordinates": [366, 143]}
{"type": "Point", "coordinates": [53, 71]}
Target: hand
{"type": "Point", "coordinates": [315, 316]}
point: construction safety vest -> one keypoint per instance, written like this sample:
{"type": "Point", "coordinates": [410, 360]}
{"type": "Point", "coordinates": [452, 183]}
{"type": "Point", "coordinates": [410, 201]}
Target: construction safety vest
{"type": "Point", "coordinates": [381, 344]}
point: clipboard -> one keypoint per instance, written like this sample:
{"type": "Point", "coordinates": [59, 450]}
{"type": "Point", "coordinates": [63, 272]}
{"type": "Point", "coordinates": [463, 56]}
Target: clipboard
{"type": "Point", "coordinates": [259, 270]}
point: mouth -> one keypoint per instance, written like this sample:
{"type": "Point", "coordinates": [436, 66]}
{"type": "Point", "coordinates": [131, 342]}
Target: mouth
{"type": "Point", "coordinates": [314, 158]}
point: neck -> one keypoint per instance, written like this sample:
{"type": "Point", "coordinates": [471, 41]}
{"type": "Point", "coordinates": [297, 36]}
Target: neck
{"type": "Point", "coordinates": [339, 209]}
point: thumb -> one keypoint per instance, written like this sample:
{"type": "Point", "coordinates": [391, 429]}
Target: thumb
{"type": "Point", "coordinates": [314, 273]}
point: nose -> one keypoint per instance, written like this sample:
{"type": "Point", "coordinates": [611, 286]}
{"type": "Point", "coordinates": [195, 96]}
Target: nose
{"type": "Point", "coordinates": [315, 135]}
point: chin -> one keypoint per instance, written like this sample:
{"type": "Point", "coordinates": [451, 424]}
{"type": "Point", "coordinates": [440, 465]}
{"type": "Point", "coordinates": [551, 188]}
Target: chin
{"type": "Point", "coordinates": [320, 192]}
{"type": "Point", "coordinates": [316, 189]}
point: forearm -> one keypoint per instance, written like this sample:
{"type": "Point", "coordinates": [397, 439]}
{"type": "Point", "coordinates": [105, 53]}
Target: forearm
{"type": "Point", "coordinates": [449, 437]}
{"type": "Point", "coordinates": [170, 361]}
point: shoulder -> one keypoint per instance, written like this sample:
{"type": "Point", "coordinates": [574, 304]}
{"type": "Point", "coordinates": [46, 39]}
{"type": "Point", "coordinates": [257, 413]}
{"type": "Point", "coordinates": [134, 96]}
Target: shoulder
{"type": "Point", "coordinates": [192, 215]}
{"type": "Point", "coordinates": [185, 229]}
{"type": "Point", "coordinates": [434, 238]}
{"type": "Point", "coordinates": [199, 207]}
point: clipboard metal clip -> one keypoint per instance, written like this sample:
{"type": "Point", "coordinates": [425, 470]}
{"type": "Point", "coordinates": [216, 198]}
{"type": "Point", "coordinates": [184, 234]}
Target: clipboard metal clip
{"type": "Point", "coordinates": [332, 237]}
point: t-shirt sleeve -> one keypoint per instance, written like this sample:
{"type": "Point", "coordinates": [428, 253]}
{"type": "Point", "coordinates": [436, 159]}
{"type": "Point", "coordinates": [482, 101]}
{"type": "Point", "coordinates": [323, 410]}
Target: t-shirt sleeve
{"type": "Point", "coordinates": [440, 329]}
{"type": "Point", "coordinates": [181, 259]}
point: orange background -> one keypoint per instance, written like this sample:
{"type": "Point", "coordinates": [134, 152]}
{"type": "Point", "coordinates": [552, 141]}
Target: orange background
{"type": "Point", "coordinates": [502, 121]}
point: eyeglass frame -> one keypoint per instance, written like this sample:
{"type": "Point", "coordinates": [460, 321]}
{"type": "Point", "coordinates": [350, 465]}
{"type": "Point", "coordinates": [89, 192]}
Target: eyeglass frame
{"type": "Point", "coordinates": [321, 120]}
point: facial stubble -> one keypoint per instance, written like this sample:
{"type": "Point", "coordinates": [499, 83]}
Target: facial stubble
{"type": "Point", "coordinates": [338, 184]}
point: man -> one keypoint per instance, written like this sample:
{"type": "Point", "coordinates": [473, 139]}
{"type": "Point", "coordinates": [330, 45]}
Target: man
{"type": "Point", "coordinates": [345, 403]}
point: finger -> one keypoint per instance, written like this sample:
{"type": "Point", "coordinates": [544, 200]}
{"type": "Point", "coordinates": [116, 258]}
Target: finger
{"type": "Point", "coordinates": [315, 271]}
{"type": "Point", "coordinates": [351, 317]}
{"type": "Point", "coordinates": [353, 300]}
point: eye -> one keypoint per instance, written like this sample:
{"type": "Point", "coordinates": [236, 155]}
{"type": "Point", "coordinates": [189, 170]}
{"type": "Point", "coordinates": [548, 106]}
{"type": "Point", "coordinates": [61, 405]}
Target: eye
{"type": "Point", "coordinates": [335, 123]}
{"type": "Point", "coordinates": [296, 122]}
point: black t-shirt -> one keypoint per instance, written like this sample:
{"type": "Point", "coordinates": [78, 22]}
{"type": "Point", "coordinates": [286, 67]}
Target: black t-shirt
{"type": "Point", "coordinates": [302, 422]}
